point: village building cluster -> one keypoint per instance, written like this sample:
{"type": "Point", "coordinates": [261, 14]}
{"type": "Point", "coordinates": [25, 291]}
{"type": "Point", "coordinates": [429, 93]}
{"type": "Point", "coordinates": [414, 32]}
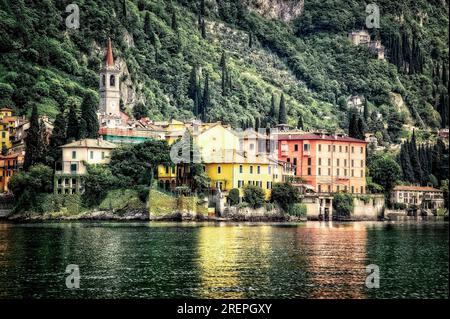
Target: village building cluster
{"type": "Point", "coordinates": [319, 164]}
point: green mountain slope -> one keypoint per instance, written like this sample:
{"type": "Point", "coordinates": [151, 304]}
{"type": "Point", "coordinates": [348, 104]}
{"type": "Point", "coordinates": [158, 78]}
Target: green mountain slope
{"type": "Point", "coordinates": [307, 57]}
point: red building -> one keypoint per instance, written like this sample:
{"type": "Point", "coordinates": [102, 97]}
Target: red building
{"type": "Point", "coordinates": [325, 163]}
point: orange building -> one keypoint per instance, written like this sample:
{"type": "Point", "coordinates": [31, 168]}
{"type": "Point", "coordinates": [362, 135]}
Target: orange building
{"type": "Point", "coordinates": [9, 165]}
{"type": "Point", "coordinates": [326, 163]}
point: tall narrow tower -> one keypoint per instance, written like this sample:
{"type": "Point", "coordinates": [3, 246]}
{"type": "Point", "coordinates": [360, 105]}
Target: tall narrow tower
{"type": "Point", "coordinates": [109, 85]}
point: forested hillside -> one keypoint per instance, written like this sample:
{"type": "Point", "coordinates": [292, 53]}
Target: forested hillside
{"type": "Point", "coordinates": [233, 60]}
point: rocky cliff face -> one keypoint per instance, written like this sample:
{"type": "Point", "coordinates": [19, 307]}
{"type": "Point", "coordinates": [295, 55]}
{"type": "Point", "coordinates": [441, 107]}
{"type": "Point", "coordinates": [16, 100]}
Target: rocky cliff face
{"type": "Point", "coordinates": [285, 10]}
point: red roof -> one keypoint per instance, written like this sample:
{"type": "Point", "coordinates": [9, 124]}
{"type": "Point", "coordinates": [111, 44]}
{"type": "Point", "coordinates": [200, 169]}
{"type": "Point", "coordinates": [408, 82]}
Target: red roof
{"type": "Point", "coordinates": [109, 54]}
{"type": "Point", "coordinates": [311, 136]}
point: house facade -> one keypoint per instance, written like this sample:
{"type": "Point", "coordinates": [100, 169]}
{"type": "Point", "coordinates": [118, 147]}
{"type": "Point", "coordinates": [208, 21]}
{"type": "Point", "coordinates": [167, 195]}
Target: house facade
{"type": "Point", "coordinates": [9, 165]}
{"type": "Point", "coordinates": [417, 196]}
{"type": "Point", "coordinates": [327, 163]}
{"type": "Point", "coordinates": [75, 156]}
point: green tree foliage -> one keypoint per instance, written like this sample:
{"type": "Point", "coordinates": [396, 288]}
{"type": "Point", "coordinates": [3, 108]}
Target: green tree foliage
{"type": "Point", "coordinates": [73, 125]}
{"type": "Point", "coordinates": [206, 102]}
{"type": "Point", "coordinates": [254, 196]}
{"type": "Point", "coordinates": [35, 143]}
{"type": "Point", "coordinates": [282, 117]}
{"type": "Point", "coordinates": [135, 164]}
{"type": "Point", "coordinates": [89, 115]}
{"type": "Point", "coordinates": [233, 196]}
{"type": "Point", "coordinates": [58, 137]}
{"type": "Point", "coordinates": [342, 205]}
{"type": "Point", "coordinates": [285, 195]}
{"type": "Point", "coordinates": [272, 120]}
{"type": "Point", "coordinates": [140, 111]}
{"type": "Point", "coordinates": [385, 171]}
{"type": "Point", "coordinates": [27, 186]}
{"type": "Point", "coordinates": [97, 182]}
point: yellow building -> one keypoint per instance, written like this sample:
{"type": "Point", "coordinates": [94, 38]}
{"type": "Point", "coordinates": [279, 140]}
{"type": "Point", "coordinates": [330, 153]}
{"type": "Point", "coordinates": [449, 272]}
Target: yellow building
{"type": "Point", "coordinates": [7, 125]}
{"type": "Point", "coordinates": [232, 169]}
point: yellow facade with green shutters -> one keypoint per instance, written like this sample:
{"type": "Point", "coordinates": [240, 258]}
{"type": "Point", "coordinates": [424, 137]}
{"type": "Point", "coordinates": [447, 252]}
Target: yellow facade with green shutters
{"type": "Point", "coordinates": [226, 176]}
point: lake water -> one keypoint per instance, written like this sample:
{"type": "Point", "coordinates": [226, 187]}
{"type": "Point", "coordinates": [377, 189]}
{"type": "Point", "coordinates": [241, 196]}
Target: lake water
{"type": "Point", "coordinates": [220, 260]}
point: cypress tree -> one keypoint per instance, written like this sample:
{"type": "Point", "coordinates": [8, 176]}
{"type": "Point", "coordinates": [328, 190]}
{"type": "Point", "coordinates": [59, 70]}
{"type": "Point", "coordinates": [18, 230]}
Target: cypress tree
{"type": "Point", "coordinates": [257, 124]}
{"type": "Point", "coordinates": [206, 99]}
{"type": "Point", "coordinates": [366, 110]}
{"type": "Point", "coordinates": [223, 65]}
{"type": "Point", "coordinates": [58, 137]}
{"type": "Point", "coordinates": [272, 113]}
{"type": "Point", "coordinates": [32, 151]}
{"type": "Point", "coordinates": [282, 118]}
{"type": "Point", "coordinates": [250, 39]}
{"type": "Point", "coordinates": [73, 126]}
{"type": "Point", "coordinates": [193, 84]}
{"type": "Point", "coordinates": [300, 122]}
{"type": "Point", "coordinates": [147, 26]}
{"type": "Point", "coordinates": [360, 129]}
{"type": "Point", "coordinates": [415, 162]}
{"type": "Point", "coordinates": [174, 22]}
{"type": "Point", "coordinates": [89, 115]}
{"type": "Point", "coordinates": [405, 163]}
{"type": "Point", "coordinates": [352, 126]}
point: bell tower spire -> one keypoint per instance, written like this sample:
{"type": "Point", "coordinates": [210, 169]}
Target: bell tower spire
{"type": "Point", "coordinates": [109, 85]}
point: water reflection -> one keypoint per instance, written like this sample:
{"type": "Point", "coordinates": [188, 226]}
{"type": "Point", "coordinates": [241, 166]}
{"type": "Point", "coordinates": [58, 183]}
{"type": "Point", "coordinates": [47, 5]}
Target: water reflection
{"type": "Point", "coordinates": [206, 260]}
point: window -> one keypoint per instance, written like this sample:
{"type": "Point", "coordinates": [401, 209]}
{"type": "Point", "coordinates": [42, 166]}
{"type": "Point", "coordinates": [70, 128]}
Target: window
{"type": "Point", "coordinates": [91, 154]}
{"type": "Point", "coordinates": [73, 169]}
{"type": "Point", "coordinates": [3, 134]}
{"type": "Point", "coordinates": [251, 169]}
{"type": "Point", "coordinates": [320, 147]}
{"type": "Point", "coordinates": [362, 173]}
{"type": "Point", "coordinates": [337, 162]}
{"type": "Point", "coordinates": [337, 172]}
{"type": "Point", "coordinates": [329, 148]}
{"type": "Point", "coordinates": [353, 163]}
{"type": "Point", "coordinates": [219, 169]}
{"type": "Point", "coordinates": [295, 162]}
{"type": "Point", "coordinates": [306, 147]}
{"type": "Point", "coordinates": [240, 169]}
{"type": "Point", "coordinates": [269, 185]}
{"type": "Point", "coordinates": [112, 80]}
{"type": "Point", "coordinates": [362, 150]}
{"type": "Point", "coordinates": [239, 184]}
{"type": "Point", "coordinates": [319, 171]}
{"type": "Point", "coordinates": [329, 162]}
{"type": "Point", "coordinates": [345, 172]}
{"type": "Point", "coordinates": [329, 188]}
{"type": "Point", "coordinates": [167, 169]}
{"type": "Point", "coordinates": [353, 173]}
{"type": "Point", "coordinates": [329, 171]}
{"type": "Point", "coordinates": [270, 169]}
{"type": "Point", "coordinates": [103, 155]}
{"type": "Point", "coordinates": [258, 169]}
{"type": "Point", "coordinates": [320, 161]}
{"type": "Point", "coordinates": [362, 163]}
{"type": "Point", "coordinates": [353, 189]}
{"type": "Point", "coordinates": [345, 162]}
{"type": "Point", "coordinates": [309, 170]}
{"type": "Point", "coordinates": [320, 188]}
{"type": "Point", "coordinates": [340, 148]}
{"type": "Point", "coordinates": [295, 147]}
{"type": "Point", "coordinates": [309, 160]}
{"type": "Point", "coordinates": [334, 148]}
{"type": "Point", "coordinates": [362, 189]}
{"type": "Point", "coordinates": [74, 154]}
{"type": "Point", "coordinates": [346, 149]}
{"type": "Point", "coordinates": [353, 149]}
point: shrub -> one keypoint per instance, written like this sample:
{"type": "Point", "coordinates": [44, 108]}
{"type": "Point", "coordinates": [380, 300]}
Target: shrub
{"type": "Point", "coordinates": [285, 195]}
{"type": "Point", "coordinates": [298, 210]}
{"type": "Point", "coordinates": [254, 196]}
{"type": "Point", "coordinates": [343, 205]}
{"type": "Point", "coordinates": [399, 206]}
{"type": "Point", "coordinates": [233, 196]}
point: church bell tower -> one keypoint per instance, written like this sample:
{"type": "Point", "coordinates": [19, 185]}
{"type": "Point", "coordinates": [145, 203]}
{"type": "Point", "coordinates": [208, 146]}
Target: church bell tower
{"type": "Point", "coordinates": [109, 85]}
